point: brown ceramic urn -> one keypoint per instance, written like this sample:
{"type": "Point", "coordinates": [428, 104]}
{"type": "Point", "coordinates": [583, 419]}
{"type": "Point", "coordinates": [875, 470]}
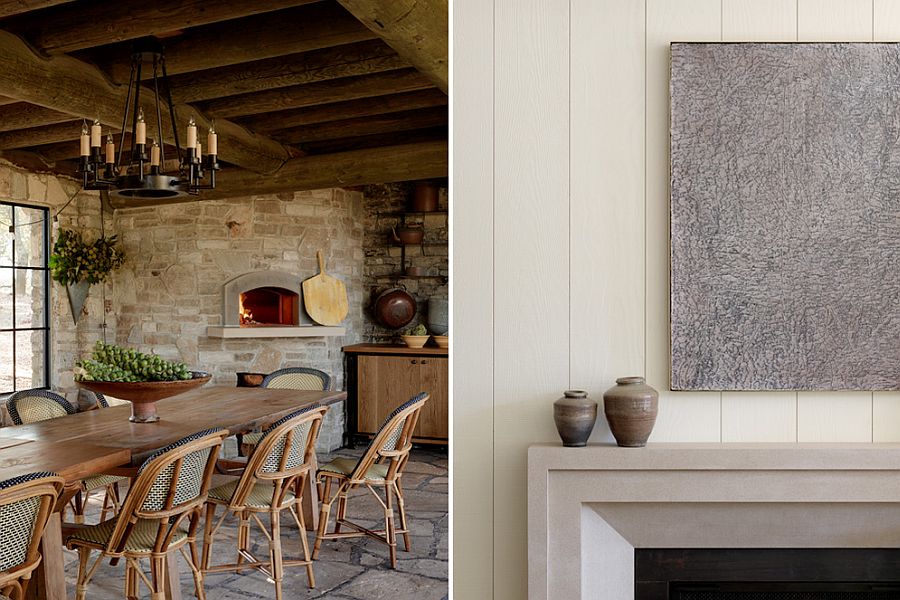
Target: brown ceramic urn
{"type": "Point", "coordinates": [631, 406]}
{"type": "Point", "coordinates": [575, 415]}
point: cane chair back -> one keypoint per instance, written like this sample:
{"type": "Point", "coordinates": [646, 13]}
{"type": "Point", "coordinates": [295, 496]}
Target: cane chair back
{"type": "Point", "coordinates": [101, 400]}
{"type": "Point", "coordinates": [31, 406]}
{"type": "Point", "coordinates": [298, 378]}
{"type": "Point", "coordinates": [26, 503]}
{"type": "Point", "coordinates": [171, 484]}
{"type": "Point", "coordinates": [393, 440]}
{"type": "Point", "coordinates": [285, 451]}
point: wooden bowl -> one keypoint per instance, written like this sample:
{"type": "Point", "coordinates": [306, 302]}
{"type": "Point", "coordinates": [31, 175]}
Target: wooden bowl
{"type": "Point", "coordinates": [415, 341]}
{"type": "Point", "coordinates": [143, 395]}
{"type": "Point", "coordinates": [443, 341]}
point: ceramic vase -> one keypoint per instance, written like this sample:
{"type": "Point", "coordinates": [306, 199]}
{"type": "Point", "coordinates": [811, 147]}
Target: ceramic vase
{"type": "Point", "coordinates": [631, 407]}
{"type": "Point", "coordinates": [575, 415]}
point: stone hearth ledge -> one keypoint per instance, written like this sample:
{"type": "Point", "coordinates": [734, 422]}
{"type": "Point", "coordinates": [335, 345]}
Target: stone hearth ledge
{"type": "Point", "coordinates": [589, 508]}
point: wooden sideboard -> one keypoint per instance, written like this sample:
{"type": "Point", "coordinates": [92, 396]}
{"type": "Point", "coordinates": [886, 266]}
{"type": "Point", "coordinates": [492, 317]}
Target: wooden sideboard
{"type": "Point", "coordinates": [381, 377]}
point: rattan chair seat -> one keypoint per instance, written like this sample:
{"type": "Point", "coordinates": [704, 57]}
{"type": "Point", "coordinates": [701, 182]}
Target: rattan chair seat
{"type": "Point", "coordinates": [95, 482]}
{"type": "Point", "coordinates": [260, 496]}
{"type": "Point", "coordinates": [345, 466]}
{"type": "Point", "coordinates": [141, 539]}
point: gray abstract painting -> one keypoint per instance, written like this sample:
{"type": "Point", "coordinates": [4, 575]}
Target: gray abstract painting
{"type": "Point", "coordinates": [785, 216]}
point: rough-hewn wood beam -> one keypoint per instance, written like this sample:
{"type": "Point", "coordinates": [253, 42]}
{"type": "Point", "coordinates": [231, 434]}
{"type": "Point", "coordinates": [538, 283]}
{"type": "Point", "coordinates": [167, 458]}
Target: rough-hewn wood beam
{"type": "Point", "coordinates": [417, 29]}
{"type": "Point", "coordinates": [323, 92]}
{"type": "Point", "coordinates": [69, 85]}
{"type": "Point", "coordinates": [280, 33]}
{"type": "Point", "coordinates": [345, 128]}
{"type": "Point", "coordinates": [371, 56]}
{"type": "Point", "coordinates": [37, 136]}
{"type": "Point", "coordinates": [357, 167]}
{"type": "Point", "coordinates": [23, 114]}
{"type": "Point", "coordinates": [395, 138]}
{"type": "Point", "coordinates": [15, 7]}
{"type": "Point", "coordinates": [81, 25]}
{"type": "Point", "coordinates": [348, 109]}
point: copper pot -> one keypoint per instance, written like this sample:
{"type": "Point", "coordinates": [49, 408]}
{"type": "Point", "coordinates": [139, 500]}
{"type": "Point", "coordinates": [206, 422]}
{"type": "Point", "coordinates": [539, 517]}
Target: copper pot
{"type": "Point", "coordinates": [395, 308]}
{"type": "Point", "coordinates": [425, 197]}
{"type": "Point", "coordinates": [408, 235]}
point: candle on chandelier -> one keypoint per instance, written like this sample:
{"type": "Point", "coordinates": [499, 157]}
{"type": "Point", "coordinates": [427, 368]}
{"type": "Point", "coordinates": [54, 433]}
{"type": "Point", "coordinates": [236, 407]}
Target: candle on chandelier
{"type": "Point", "coordinates": [212, 140]}
{"type": "Point", "coordinates": [110, 150]}
{"type": "Point", "coordinates": [141, 133]}
{"type": "Point", "coordinates": [199, 152]}
{"type": "Point", "coordinates": [192, 134]}
{"type": "Point", "coordinates": [85, 141]}
{"type": "Point", "coordinates": [95, 134]}
{"type": "Point", "coordinates": [154, 155]}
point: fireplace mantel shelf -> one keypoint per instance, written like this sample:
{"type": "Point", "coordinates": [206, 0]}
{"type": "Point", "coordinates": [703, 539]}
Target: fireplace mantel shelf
{"type": "Point", "coordinates": [219, 331]}
{"type": "Point", "coordinates": [589, 508]}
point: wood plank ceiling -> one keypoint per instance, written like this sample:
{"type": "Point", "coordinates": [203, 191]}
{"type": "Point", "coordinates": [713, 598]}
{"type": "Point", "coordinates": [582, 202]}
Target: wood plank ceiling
{"type": "Point", "coordinates": [305, 93]}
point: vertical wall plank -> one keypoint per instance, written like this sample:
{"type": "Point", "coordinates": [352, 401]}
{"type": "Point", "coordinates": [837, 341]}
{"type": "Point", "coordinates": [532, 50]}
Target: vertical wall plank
{"type": "Point", "coordinates": [759, 416]}
{"type": "Point", "coordinates": [531, 250]}
{"type": "Point", "coordinates": [683, 416]}
{"type": "Point", "coordinates": [607, 201]}
{"type": "Point", "coordinates": [886, 417]}
{"type": "Point", "coordinates": [759, 20]}
{"type": "Point", "coordinates": [834, 417]}
{"type": "Point", "coordinates": [824, 416]}
{"type": "Point", "coordinates": [834, 20]}
{"type": "Point", "coordinates": [886, 20]}
{"type": "Point", "coordinates": [472, 209]}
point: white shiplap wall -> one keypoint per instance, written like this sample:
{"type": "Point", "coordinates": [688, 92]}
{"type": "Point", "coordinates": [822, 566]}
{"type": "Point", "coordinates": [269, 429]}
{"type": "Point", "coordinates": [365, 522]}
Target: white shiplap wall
{"type": "Point", "coordinates": [560, 242]}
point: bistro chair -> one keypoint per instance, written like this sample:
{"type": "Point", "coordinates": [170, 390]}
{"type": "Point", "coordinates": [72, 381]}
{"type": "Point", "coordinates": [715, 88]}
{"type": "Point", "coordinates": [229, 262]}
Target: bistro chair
{"type": "Point", "coordinates": [32, 406]}
{"type": "Point", "coordinates": [170, 489]}
{"type": "Point", "coordinates": [381, 465]}
{"type": "Point", "coordinates": [273, 481]}
{"type": "Point", "coordinates": [291, 378]}
{"type": "Point", "coordinates": [26, 503]}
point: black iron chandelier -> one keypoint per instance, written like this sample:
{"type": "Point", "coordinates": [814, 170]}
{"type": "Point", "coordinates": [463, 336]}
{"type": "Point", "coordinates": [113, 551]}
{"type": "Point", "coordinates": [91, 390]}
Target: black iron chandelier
{"type": "Point", "coordinates": [142, 174]}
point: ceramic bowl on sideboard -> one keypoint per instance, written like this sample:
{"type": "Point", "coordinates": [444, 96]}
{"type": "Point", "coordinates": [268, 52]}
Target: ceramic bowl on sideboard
{"type": "Point", "coordinates": [443, 341]}
{"type": "Point", "coordinates": [415, 341]}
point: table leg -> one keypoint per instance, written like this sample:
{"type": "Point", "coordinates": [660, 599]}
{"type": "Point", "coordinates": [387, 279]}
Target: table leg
{"type": "Point", "coordinates": [49, 579]}
{"type": "Point", "coordinates": [173, 581]}
{"type": "Point", "coordinates": [310, 500]}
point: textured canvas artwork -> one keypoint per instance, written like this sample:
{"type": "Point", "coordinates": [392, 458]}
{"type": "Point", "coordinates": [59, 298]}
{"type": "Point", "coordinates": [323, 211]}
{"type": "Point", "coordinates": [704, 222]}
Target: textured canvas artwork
{"type": "Point", "coordinates": [785, 216]}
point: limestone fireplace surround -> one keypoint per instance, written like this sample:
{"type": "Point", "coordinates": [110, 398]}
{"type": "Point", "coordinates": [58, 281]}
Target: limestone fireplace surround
{"type": "Point", "coordinates": [589, 508]}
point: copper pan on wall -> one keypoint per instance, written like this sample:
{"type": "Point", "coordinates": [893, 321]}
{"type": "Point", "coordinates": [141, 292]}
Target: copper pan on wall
{"type": "Point", "coordinates": [394, 308]}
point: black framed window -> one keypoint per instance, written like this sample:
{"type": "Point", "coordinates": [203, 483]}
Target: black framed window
{"type": "Point", "coordinates": [24, 297]}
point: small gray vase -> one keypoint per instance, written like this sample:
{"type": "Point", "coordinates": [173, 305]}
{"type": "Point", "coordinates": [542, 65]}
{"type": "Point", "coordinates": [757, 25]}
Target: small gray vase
{"type": "Point", "coordinates": [575, 415]}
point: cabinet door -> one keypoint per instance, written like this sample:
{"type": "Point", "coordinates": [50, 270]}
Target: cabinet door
{"type": "Point", "coordinates": [433, 420]}
{"type": "Point", "coordinates": [384, 383]}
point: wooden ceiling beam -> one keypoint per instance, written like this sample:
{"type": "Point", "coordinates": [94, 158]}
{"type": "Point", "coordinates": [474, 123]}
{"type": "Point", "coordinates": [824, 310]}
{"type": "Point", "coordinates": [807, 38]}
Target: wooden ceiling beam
{"type": "Point", "coordinates": [38, 136]}
{"type": "Point", "coordinates": [395, 138]}
{"type": "Point", "coordinates": [69, 85]}
{"type": "Point", "coordinates": [323, 92]}
{"type": "Point", "coordinates": [22, 114]}
{"type": "Point", "coordinates": [346, 128]}
{"type": "Point", "coordinates": [371, 56]}
{"type": "Point", "coordinates": [358, 167]}
{"type": "Point", "coordinates": [348, 109]}
{"type": "Point", "coordinates": [80, 26]}
{"type": "Point", "coordinates": [417, 29]}
{"type": "Point", "coordinates": [9, 8]}
{"type": "Point", "coordinates": [301, 29]}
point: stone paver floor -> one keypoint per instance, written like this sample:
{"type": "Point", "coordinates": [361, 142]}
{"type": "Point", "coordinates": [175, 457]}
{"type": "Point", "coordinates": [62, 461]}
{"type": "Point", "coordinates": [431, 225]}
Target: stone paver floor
{"type": "Point", "coordinates": [354, 569]}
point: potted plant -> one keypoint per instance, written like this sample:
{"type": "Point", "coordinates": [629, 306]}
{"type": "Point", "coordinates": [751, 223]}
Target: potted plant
{"type": "Point", "coordinates": [78, 265]}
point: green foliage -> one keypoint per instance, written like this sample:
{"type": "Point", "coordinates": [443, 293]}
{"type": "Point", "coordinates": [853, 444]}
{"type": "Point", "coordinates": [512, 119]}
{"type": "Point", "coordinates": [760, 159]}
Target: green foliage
{"type": "Point", "coordinates": [73, 260]}
{"type": "Point", "coordinates": [418, 330]}
{"type": "Point", "coordinates": [114, 363]}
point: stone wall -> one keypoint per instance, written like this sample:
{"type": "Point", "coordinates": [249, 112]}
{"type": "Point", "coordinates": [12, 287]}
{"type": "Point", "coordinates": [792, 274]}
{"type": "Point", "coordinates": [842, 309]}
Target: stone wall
{"type": "Point", "coordinates": [384, 207]}
{"type": "Point", "coordinates": [67, 341]}
{"type": "Point", "coordinates": [179, 257]}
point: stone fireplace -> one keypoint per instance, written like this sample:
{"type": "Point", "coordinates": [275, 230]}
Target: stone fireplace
{"type": "Point", "coordinates": [266, 304]}
{"type": "Point", "coordinates": [590, 509]}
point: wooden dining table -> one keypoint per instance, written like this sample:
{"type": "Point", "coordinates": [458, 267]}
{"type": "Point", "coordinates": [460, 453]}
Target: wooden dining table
{"type": "Point", "coordinates": [97, 441]}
